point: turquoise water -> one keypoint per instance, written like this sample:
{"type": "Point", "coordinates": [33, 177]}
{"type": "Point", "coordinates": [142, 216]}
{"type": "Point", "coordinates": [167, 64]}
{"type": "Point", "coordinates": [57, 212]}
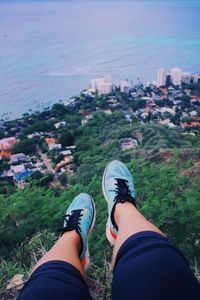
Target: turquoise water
{"type": "Point", "coordinates": [49, 50]}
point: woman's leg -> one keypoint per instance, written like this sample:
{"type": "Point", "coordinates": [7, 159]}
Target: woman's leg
{"type": "Point", "coordinates": [66, 249]}
{"type": "Point", "coordinates": [59, 274]}
{"type": "Point", "coordinates": [129, 221]}
{"type": "Point", "coordinates": [146, 265]}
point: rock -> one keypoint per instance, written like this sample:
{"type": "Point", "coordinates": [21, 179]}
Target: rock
{"type": "Point", "coordinates": [16, 282]}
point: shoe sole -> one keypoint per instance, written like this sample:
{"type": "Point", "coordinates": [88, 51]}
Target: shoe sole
{"type": "Point", "coordinates": [108, 233]}
{"type": "Point", "coordinates": [87, 254]}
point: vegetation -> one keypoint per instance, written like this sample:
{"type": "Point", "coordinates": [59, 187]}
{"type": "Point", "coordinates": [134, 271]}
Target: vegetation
{"type": "Point", "coordinates": [26, 146]}
{"type": "Point", "coordinates": [30, 219]}
{"type": "Point", "coordinates": [165, 166]}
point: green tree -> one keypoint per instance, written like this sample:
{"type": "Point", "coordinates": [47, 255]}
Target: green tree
{"type": "Point", "coordinates": [2, 134]}
{"type": "Point", "coordinates": [66, 138]}
{"type": "Point", "coordinates": [27, 146]}
{"type": "Point", "coordinates": [63, 178]}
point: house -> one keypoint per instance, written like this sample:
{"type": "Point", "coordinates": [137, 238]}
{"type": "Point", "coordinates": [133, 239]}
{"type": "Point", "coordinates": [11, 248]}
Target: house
{"type": "Point", "coordinates": [5, 154]}
{"type": "Point", "coordinates": [177, 102]}
{"type": "Point", "coordinates": [86, 119]}
{"type": "Point", "coordinates": [164, 91]}
{"type": "Point", "coordinates": [35, 134]}
{"type": "Point", "coordinates": [67, 160]}
{"type": "Point", "coordinates": [113, 103]}
{"type": "Point", "coordinates": [66, 152]}
{"type": "Point", "coordinates": [166, 110]}
{"type": "Point", "coordinates": [18, 169]}
{"type": "Point", "coordinates": [6, 146]}
{"type": "Point", "coordinates": [20, 178]}
{"type": "Point", "coordinates": [108, 111]}
{"type": "Point", "coordinates": [144, 115]}
{"type": "Point", "coordinates": [190, 124]}
{"type": "Point", "coordinates": [128, 117]}
{"type": "Point", "coordinates": [70, 147]}
{"type": "Point", "coordinates": [55, 147]}
{"type": "Point", "coordinates": [19, 157]}
{"type": "Point", "coordinates": [20, 173]}
{"type": "Point", "coordinates": [60, 124]}
{"type": "Point", "coordinates": [51, 142]}
{"type": "Point", "coordinates": [167, 122]}
{"type": "Point", "coordinates": [128, 143]}
{"type": "Point", "coordinates": [193, 113]}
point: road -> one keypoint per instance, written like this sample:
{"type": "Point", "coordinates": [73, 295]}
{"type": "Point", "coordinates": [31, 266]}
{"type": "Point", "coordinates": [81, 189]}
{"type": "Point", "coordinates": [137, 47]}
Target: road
{"type": "Point", "coordinates": [45, 160]}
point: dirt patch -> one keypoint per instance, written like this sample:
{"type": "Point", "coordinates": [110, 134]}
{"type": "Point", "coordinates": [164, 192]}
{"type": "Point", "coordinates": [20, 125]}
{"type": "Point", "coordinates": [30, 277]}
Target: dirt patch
{"type": "Point", "coordinates": [192, 171]}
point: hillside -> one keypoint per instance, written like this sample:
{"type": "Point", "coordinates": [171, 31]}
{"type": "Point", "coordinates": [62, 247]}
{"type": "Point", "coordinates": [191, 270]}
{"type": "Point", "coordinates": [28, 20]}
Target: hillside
{"type": "Point", "coordinates": [165, 166]}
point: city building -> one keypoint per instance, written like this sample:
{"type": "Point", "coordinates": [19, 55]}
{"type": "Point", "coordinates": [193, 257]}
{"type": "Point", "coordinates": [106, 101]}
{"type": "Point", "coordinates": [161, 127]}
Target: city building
{"type": "Point", "coordinates": [101, 85]}
{"type": "Point", "coordinates": [196, 78]}
{"type": "Point", "coordinates": [186, 77]}
{"type": "Point", "coordinates": [161, 78]}
{"type": "Point", "coordinates": [176, 76]}
{"type": "Point", "coordinates": [168, 80]}
{"type": "Point", "coordinates": [124, 86]}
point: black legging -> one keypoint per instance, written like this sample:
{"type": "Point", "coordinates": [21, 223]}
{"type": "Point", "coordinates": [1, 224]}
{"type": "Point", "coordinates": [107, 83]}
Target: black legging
{"type": "Point", "coordinates": [147, 267]}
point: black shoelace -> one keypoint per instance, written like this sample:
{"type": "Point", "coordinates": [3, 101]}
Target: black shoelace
{"type": "Point", "coordinates": [123, 193]}
{"type": "Point", "coordinates": [73, 221]}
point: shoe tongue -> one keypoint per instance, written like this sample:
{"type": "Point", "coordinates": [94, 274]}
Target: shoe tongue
{"type": "Point", "coordinates": [123, 191]}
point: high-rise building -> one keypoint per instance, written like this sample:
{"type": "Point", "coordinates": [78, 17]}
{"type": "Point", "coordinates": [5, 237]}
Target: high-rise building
{"type": "Point", "coordinates": [161, 78]}
{"type": "Point", "coordinates": [186, 77]}
{"type": "Point", "coordinates": [176, 75]}
{"type": "Point", "coordinates": [101, 85]}
{"type": "Point", "coordinates": [124, 86]}
{"type": "Point", "coordinates": [168, 80]}
{"type": "Point", "coordinates": [196, 78]}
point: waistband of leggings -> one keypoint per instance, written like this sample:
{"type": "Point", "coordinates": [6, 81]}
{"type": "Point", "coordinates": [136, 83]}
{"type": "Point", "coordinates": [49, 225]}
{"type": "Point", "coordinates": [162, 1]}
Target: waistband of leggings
{"type": "Point", "coordinates": [142, 242]}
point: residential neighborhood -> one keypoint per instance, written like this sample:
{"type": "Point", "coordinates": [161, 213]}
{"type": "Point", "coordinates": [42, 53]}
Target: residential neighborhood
{"type": "Point", "coordinates": [43, 143]}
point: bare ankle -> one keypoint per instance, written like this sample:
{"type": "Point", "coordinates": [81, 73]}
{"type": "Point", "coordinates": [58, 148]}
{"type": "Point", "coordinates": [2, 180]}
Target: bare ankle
{"type": "Point", "coordinates": [72, 236]}
{"type": "Point", "coordinates": [121, 209]}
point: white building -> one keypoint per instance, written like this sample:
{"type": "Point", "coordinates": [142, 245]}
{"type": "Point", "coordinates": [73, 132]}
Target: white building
{"type": "Point", "coordinates": [161, 78]}
{"type": "Point", "coordinates": [176, 75]}
{"type": "Point", "coordinates": [196, 78]}
{"type": "Point", "coordinates": [124, 86]}
{"type": "Point", "coordinates": [60, 124]}
{"type": "Point", "coordinates": [54, 146]}
{"type": "Point", "coordinates": [101, 85]}
{"type": "Point", "coordinates": [186, 77]}
{"type": "Point", "coordinates": [18, 169]}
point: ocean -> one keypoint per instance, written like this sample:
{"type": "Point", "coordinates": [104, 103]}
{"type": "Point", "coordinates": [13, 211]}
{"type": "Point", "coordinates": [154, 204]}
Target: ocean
{"type": "Point", "coordinates": [50, 50]}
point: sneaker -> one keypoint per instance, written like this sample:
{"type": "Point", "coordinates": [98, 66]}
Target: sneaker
{"type": "Point", "coordinates": [80, 216]}
{"type": "Point", "coordinates": [118, 187]}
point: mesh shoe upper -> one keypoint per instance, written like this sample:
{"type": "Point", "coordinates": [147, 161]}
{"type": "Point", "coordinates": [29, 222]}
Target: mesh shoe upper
{"type": "Point", "coordinates": [118, 186]}
{"type": "Point", "coordinates": [80, 216]}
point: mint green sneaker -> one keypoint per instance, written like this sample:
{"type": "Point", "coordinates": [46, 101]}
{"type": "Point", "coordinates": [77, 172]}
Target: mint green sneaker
{"type": "Point", "coordinates": [118, 187]}
{"type": "Point", "coordinates": [80, 216]}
